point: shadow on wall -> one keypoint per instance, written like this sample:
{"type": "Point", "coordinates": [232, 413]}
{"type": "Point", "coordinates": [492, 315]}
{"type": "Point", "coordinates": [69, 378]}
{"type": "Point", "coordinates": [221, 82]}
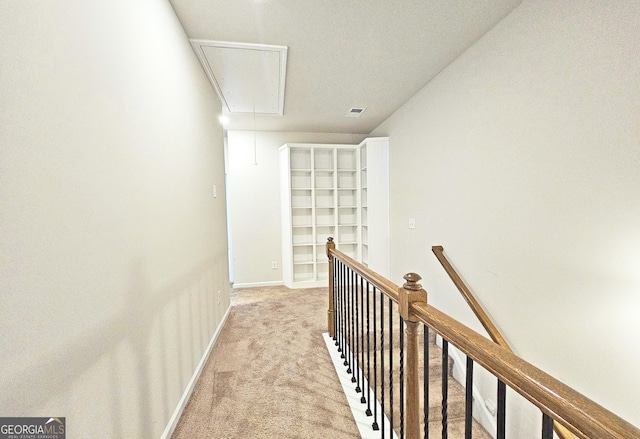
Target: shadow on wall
{"type": "Point", "coordinates": [143, 357]}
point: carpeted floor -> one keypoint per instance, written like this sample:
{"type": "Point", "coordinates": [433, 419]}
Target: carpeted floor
{"type": "Point", "coordinates": [269, 374]}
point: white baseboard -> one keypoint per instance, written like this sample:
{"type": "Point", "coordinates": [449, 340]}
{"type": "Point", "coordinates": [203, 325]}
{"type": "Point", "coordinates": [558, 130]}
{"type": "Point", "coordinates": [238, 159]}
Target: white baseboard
{"type": "Point", "coordinates": [173, 422]}
{"type": "Point", "coordinates": [358, 409]}
{"type": "Point", "coordinates": [258, 284]}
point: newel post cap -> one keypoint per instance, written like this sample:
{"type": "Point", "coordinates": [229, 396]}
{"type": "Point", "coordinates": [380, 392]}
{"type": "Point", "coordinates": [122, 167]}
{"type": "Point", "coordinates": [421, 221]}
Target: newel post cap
{"type": "Point", "coordinates": [330, 245]}
{"type": "Point", "coordinates": [412, 280]}
{"type": "Point", "coordinates": [410, 292]}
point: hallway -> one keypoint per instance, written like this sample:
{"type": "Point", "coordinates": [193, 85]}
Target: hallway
{"type": "Point", "coordinates": [269, 375]}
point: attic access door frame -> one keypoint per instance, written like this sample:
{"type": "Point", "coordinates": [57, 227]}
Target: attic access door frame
{"type": "Point", "coordinates": [249, 78]}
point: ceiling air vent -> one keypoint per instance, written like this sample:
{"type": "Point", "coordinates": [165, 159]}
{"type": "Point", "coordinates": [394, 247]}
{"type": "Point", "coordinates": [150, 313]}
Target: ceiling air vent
{"type": "Point", "coordinates": [355, 112]}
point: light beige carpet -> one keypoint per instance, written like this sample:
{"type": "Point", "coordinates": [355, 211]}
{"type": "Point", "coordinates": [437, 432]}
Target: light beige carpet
{"type": "Point", "coordinates": [269, 374]}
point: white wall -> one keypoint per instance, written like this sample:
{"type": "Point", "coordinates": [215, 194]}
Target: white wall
{"type": "Point", "coordinates": [254, 200]}
{"type": "Point", "coordinates": [113, 249]}
{"type": "Point", "coordinates": [522, 159]}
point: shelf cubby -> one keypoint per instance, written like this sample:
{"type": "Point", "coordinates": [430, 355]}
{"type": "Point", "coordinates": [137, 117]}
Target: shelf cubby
{"type": "Point", "coordinates": [323, 180]}
{"type": "Point", "coordinates": [300, 159]}
{"type": "Point", "coordinates": [347, 179]}
{"type": "Point", "coordinates": [324, 198]}
{"type": "Point", "coordinates": [346, 159]}
{"type": "Point", "coordinates": [323, 158]}
{"type": "Point", "coordinates": [303, 272]}
{"type": "Point", "coordinates": [300, 198]}
{"type": "Point", "coordinates": [300, 179]}
{"type": "Point", "coordinates": [301, 216]}
{"type": "Point", "coordinates": [349, 248]}
{"type": "Point", "coordinates": [302, 236]}
{"type": "Point", "coordinates": [324, 232]}
{"type": "Point", "coordinates": [347, 234]}
{"type": "Point", "coordinates": [347, 198]}
{"type": "Point", "coordinates": [303, 254]}
{"type": "Point", "coordinates": [347, 215]}
{"type": "Point", "coordinates": [325, 217]}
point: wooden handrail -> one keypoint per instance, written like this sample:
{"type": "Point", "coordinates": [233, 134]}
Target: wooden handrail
{"type": "Point", "coordinates": [486, 322]}
{"type": "Point", "coordinates": [582, 416]}
{"type": "Point", "coordinates": [482, 316]}
{"type": "Point", "coordinates": [380, 282]}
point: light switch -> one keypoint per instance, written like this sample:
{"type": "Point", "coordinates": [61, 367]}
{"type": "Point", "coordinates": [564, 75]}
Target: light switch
{"type": "Point", "coordinates": [412, 223]}
{"type": "Point", "coordinates": [215, 191]}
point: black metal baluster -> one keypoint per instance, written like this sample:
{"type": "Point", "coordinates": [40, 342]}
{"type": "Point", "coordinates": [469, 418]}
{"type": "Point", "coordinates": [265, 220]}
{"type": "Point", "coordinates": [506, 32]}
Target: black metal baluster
{"type": "Point", "coordinates": [355, 341]}
{"type": "Point", "coordinates": [382, 358]}
{"type": "Point", "coordinates": [353, 337]}
{"type": "Point", "coordinates": [336, 286]}
{"type": "Point", "coordinates": [363, 399]}
{"type": "Point", "coordinates": [401, 329]}
{"type": "Point", "coordinates": [426, 381]}
{"type": "Point", "coordinates": [391, 367]}
{"type": "Point", "coordinates": [445, 387]}
{"type": "Point", "coordinates": [348, 321]}
{"type": "Point", "coordinates": [547, 427]}
{"type": "Point", "coordinates": [375, 362]}
{"type": "Point", "coordinates": [368, 411]}
{"type": "Point", "coordinates": [344, 315]}
{"type": "Point", "coordinates": [342, 311]}
{"type": "Point", "coordinates": [468, 413]}
{"type": "Point", "coordinates": [356, 364]}
{"type": "Point", "coordinates": [347, 344]}
{"type": "Point", "coordinates": [339, 310]}
{"type": "Point", "coordinates": [502, 409]}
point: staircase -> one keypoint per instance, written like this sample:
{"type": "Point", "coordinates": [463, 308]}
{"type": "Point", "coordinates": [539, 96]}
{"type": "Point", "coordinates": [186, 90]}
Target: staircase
{"type": "Point", "coordinates": [352, 289]}
{"type": "Point", "coordinates": [456, 395]}
{"type": "Point", "coordinates": [456, 399]}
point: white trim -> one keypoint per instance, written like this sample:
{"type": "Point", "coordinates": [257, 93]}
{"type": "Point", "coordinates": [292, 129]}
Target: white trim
{"type": "Point", "coordinates": [274, 283]}
{"type": "Point", "coordinates": [353, 398]}
{"type": "Point", "coordinates": [198, 45]}
{"type": "Point", "coordinates": [173, 422]}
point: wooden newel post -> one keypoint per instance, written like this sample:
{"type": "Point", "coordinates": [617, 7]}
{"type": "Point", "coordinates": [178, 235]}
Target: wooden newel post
{"type": "Point", "coordinates": [411, 292]}
{"type": "Point", "coordinates": [330, 321]}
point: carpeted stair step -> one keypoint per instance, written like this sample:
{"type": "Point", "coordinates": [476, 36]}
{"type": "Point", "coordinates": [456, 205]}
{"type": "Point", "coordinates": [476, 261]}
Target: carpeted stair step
{"type": "Point", "coordinates": [455, 429]}
{"type": "Point", "coordinates": [455, 403]}
{"type": "Point", "coordinates": [455, 400]}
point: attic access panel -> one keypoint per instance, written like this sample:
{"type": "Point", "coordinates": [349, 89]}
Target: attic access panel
{"type": "Point", "coordinates": [249, 78]}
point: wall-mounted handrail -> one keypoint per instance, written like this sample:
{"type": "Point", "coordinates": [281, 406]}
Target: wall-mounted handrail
{"type": "Point", "coordinates": [477, 309]}
{"type": "Point", "coordinates": [482, 316]}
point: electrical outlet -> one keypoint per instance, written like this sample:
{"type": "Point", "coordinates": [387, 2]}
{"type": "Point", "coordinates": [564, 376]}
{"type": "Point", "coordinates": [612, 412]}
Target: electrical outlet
{"type": "Point", "coordinates": [274, 265]}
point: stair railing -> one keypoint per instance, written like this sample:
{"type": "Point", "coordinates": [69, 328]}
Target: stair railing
{"type": "Point", "coordinates": [483, 317]}
{"type": "Point", "coordinates": [361, 312]}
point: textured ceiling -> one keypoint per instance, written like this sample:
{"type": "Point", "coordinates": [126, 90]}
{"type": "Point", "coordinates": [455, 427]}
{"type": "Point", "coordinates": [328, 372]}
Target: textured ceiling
{"type": "Point", "coordinates": [341, 54]}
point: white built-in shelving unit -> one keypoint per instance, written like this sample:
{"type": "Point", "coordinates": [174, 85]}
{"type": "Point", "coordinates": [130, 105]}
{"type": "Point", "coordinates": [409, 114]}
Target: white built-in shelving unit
{"type": "Point", "coordinates": [321, 196]}
{"type": "Point", "coordinates": [374, 195]}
